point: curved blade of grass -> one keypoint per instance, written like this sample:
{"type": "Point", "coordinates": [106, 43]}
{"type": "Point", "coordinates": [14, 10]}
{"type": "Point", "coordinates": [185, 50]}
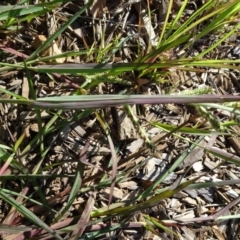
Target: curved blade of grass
{"type": "Point", "coordinates": [149, 203]}
{"type": "Point", "coordinates": [164, 48]}
{"type": "Point", "coordinates": [187, 130]}
{"type": "Point", "coordinates": [114, 156]}
{"type": "Point", "coordinates": [29, 215]}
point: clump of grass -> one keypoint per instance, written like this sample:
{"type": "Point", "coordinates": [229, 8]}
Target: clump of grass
{"type": "Point", "coordinates": [172, 52]}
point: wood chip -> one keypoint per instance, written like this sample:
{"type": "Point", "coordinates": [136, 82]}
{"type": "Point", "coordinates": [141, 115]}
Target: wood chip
{"type": "Point", "coordinates": [127, 129]}
{"type": "Point", "coordinates": [211, 165]}
{"type": "Point", "coordinates": [34, 127]}
{"type": "Point", "coordinates": [232, 193]}
{"type": "Point", "coordinates": [117, 193]}
{"type": "Point", "coordinates": [135, 145]}
{"type": "Point", "coordinates": [129, 184]}
{"type": "Point", "coordinates": [197, 166]}
{"type": "Point", "coordinates": [207, 194]}
{"type": "Point", "coordinates": [190, 201]}
{"type": "Point", "coordinates": [180, 194]}
{"type": "Point", "coordinates": [234, 141]}
{"type": "Point", "coordinates": [217, 233]}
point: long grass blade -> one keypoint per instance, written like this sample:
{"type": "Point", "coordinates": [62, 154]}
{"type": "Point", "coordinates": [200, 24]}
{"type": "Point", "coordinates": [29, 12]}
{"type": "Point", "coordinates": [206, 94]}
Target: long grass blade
{"type": "Point", "coordinates": [103, 101]}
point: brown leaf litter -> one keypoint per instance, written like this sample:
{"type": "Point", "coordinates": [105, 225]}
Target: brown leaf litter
{"type": "Point", "coordinates": [138, 165]}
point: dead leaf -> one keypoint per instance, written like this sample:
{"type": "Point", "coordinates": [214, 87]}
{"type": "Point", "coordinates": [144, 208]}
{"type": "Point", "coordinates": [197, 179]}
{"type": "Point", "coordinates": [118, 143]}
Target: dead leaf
{"type": "Point", "coordinates": [142, 81]}
{"type": "Point", "coordinates": [52, 50]}
{"type": "Point", "coordinates": [117, 193]}
{"type": "Point", "coordinates": [197, 166]}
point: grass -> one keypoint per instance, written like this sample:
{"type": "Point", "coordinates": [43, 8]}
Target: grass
{"type": "Point", "coordinates": [35, 209]}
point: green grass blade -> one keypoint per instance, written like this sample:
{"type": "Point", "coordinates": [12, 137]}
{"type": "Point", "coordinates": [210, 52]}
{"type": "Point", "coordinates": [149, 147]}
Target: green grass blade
{"type": "Point", "coordinates": [219, 41]}
{"type": "Point", "coordinates": [187, 130]}
{"type": "Point", "coordinates": [12, 94]}
{"type": "Point", "coordinates": [7, 12]}
{"type": "Point", "coordinates": [94, 68]}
